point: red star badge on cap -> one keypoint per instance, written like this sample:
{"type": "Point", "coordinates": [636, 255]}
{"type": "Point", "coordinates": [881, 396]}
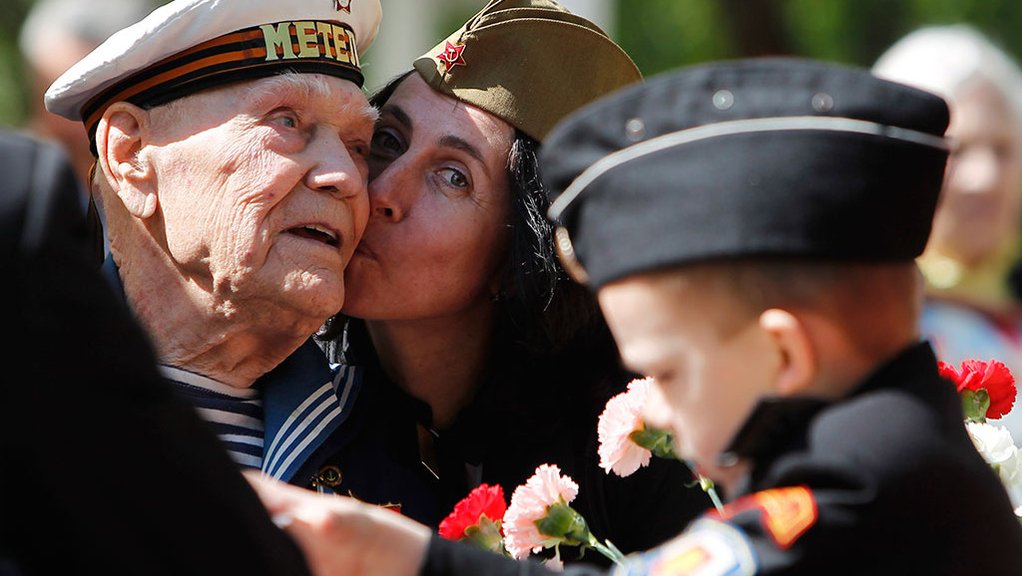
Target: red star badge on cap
{"type": "Point", "coordinates": [451, 56]}
{"type": "Point", "coordinates": [343, 5]}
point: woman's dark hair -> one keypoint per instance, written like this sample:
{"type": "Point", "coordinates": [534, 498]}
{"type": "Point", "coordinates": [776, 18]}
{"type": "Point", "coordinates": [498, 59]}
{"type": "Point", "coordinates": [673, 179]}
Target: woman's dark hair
{"type": "Point", "coordinates": [543, 309]}
{"type": "Point", "coordinates": [546, 309]}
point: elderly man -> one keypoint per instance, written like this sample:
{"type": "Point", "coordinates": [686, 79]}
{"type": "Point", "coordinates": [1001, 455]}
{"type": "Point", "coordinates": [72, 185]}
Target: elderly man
{"type": "Point", "coordinates": [230, 141]}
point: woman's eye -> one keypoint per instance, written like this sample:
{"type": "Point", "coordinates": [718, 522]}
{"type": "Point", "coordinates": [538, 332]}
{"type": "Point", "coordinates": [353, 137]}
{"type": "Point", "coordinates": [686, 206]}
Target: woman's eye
{"type": "Point", "coordinates": [386, 144]}
{"type": "Point", "coordinates": [454, 178]}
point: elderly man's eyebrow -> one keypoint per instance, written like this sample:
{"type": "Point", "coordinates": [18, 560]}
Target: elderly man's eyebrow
{"type": "Point", "coordinates": [368, 112]}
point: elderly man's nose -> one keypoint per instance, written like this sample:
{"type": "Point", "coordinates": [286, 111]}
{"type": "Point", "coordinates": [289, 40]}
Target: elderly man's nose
{"type": "Point", "coordinates": [335, 168]}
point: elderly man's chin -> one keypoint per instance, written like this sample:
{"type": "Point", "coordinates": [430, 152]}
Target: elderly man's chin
{"type": "Point", "coordinates": [307, 287]}
{"type": "Point", "coordinates": [314, 292]}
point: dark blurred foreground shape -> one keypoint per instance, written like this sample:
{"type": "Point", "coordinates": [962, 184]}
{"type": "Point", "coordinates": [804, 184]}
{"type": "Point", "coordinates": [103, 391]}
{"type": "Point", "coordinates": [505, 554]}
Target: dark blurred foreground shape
{"type": "Point", "coordinates": [102, 470]}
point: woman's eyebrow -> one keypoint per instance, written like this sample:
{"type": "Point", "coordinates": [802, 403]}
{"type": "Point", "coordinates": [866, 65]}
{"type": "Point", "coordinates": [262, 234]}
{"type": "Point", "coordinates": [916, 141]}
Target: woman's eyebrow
{"type": "Point", "coordinates": [400, 115]}
{"type": "Point", "coordinates": [447, 141]}
{"type": "Point", "coordinates": [458, 143]}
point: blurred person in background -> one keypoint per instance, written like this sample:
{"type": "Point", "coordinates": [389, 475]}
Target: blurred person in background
{"type": "Point", "coordinates": [55, 35]}
{"type": "Point", "coordinates": [970, 264]}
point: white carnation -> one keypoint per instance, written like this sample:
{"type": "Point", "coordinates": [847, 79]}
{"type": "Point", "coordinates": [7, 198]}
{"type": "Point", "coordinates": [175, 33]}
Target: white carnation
{"type": "Point", "coordinates": [998, 449]}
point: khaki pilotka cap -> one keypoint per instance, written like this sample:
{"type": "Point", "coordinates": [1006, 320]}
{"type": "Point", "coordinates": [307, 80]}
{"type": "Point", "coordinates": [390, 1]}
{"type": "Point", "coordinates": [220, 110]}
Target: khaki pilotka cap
{"type": "Point", "coordinates": [529, 62]}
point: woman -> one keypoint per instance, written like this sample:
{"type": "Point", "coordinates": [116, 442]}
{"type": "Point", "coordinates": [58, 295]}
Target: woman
{"type": "Point", "coordinates": [972, 260]}
{"type": "Point", "coordinates": [481, 361]}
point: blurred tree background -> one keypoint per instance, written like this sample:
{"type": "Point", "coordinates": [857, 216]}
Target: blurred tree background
{"type": "Point", "coordinates": [664, 34]}
{"type": "Point", "coordinates": [12, 90]}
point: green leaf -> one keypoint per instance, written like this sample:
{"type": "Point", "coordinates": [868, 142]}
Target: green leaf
{"type": "Point", "coordinates": [486, 535]}
{"type": "Point", "coordinates": [657, 441]}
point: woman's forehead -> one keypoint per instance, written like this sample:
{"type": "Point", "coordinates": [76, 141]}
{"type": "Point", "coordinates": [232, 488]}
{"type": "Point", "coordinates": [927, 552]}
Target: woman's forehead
{"type": "Point", "coordinates": [438, 116]}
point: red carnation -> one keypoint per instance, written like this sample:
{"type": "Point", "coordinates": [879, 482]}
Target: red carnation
{"type": "Point", "coordinates": [993, 377]}
{"type": "Point", "coordinates": [484, 501]}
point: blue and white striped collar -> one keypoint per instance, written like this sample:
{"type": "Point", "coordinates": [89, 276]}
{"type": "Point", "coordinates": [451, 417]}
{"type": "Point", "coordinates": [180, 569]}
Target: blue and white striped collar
{"type": "Point", "coordinates": [305, 399]}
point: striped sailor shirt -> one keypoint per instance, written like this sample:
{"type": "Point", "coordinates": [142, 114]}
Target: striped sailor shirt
{"type": "Point", "coordinates": [235, 414]}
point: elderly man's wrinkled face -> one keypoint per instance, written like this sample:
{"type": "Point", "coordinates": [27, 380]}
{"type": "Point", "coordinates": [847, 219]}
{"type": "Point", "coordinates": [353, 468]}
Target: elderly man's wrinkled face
{"type": "Point", "coordinates": [262, 189]}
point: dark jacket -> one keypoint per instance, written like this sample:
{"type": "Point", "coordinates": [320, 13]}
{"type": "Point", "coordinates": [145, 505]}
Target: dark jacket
{"type": "Point", "coordinates": [528, 412]}
{"type": "Point", "coordinates": [885, 481]}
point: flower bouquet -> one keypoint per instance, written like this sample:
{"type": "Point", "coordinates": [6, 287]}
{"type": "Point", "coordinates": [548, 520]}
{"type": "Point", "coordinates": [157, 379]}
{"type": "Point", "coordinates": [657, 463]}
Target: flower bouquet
{"type": "Point", "coordinates": [540, 516]}
{"type": "Point", "coordinates": [988, 391]}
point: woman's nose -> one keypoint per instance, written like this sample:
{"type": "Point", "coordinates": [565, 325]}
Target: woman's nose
{"type": "Point", "coordinates": [386, 195]}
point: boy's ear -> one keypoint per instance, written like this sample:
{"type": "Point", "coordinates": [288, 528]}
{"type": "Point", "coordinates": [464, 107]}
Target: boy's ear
{"type": "Point", "coordinates": [798, 358]}
{"type": "Point", "coordinates": [120, 137]}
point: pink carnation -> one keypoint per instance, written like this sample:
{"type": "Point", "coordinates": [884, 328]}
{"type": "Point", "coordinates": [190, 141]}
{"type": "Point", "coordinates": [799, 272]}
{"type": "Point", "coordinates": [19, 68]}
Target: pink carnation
{"type": "Point", "coordinates": [621, 417]}
{"type": "Point", "coordinates": [529, 503]}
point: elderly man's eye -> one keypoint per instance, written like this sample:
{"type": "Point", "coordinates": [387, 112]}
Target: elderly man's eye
{"type": "Point", "coordinates": [361, 150]}
{"type": "Point", "coordinates": [386, 144]}
{"type": "Point", "coordinates": [285, 119]}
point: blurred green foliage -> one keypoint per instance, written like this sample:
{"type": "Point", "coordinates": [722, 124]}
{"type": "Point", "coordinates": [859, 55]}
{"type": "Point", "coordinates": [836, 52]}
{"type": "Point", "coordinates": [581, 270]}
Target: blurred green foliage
{"type": "Point", "coordinates": [665, 34]}
{"type": "Point", "coordinates": [12, 89]}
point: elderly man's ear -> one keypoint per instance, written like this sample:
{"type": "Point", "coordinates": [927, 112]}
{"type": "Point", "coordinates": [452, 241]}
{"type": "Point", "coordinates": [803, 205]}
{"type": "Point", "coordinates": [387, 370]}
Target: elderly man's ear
{"type": "Point", "coordinates": [120, 138]}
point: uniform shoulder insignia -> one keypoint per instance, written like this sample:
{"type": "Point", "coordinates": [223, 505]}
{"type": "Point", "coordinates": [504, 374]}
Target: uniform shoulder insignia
{"type": "Point", "coordinates": [707, 548]}
{"type": "Point", "coordinates": [785, 513]}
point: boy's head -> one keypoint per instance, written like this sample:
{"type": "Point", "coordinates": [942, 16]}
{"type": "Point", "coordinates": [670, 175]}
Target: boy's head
{"type": "Point", "coordinates": [750, 228]}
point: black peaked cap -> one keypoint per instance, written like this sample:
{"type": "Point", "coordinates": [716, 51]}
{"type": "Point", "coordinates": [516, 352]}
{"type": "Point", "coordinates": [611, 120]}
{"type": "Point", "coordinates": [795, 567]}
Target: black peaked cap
{"type": "Point", "coordinates": [763, 157]}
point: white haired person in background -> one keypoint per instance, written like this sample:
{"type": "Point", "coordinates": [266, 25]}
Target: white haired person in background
{"type": "Point", "coordinates": [55, 35]}
{"type": "Point", "coordinates": [974, 307]}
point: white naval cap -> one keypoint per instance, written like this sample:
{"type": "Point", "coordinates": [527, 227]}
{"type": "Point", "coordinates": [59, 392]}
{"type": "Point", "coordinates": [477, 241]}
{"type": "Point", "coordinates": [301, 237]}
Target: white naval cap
{"type": "Point", "coordinates": [190, 45]}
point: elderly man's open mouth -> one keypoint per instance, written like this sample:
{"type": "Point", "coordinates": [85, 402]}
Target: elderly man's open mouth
{"type": "Point", "coordinates": [317, 232]}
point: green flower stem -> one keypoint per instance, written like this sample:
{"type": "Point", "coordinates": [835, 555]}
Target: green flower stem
{"type": "Point", "coordinates": [707, 486]}
{"type": "Point", "coordinates": [975, 404]}
{"type": "Point", "coordinates": [566, 526]}
{"type": "Point", "coordinates": [608, 550]}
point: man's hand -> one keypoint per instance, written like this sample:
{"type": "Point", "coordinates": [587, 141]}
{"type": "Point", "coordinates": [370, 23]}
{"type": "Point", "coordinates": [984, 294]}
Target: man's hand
{"type": "Point", "coordinates": [341, 536]}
